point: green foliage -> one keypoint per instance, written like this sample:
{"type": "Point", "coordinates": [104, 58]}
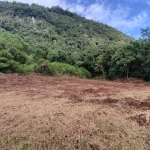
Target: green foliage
{"type": "Point", "coordinates": [12, 53]}
{"type": "Point", "coordinates": [63, 68]}
{"type": "Point", "coordinates": [9, 66]}
{"type": "Point", "coordinates": [120, 63]}
{"type": "Point", "coordinates": [26, 69]}
{"type": "Point", "coordinates": [39, 54]}
{"type": "Point", "coordinates": [146, 32]}
{"type": "Point", "coordinates": [132, 60]}
{"type": "Point", "coordinates": [58, 35]}
{"type": "Point", "coordinates": [103, 62]}
{"type": "Point", "coordinates": [53, 41]}
{"type": "Point", "coordinates": [57, 69]}
{"type": "Point", "coordinates": [84, 73]}
{"type": "Point", "coordinates": [45, 68]}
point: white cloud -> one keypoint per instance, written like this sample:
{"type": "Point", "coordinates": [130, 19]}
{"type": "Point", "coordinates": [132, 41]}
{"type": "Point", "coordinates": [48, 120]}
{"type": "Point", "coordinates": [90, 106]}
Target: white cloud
{"type": "Point", "coordinates": [123, 23]}
{"type": "Point", "coordinates": [49, 3]}
{"type": "Point", "coordinates": [77, 8]}
{"type": "Point", "coordinates": [97, 12]}
{"type": "Point", "coordinates": [119, 17]}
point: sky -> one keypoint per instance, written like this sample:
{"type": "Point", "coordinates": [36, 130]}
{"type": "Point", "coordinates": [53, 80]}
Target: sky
{"type": "Point", "coordinates": [128, 16]}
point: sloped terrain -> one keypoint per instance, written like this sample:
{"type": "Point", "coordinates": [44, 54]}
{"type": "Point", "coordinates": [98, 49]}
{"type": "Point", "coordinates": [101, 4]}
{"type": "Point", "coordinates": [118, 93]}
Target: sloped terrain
{"type": "Point", "coordinates": [38, 112]}
{"type": "Point", "coordinates": [59, 35]}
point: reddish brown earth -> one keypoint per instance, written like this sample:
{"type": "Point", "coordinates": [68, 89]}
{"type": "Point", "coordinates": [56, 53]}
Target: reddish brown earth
{"type": "Point", "coordinates": [38, 112]}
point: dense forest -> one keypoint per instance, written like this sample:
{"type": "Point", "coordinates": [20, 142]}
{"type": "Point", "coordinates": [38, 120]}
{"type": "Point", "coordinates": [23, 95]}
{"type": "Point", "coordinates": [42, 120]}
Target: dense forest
{"type": "Point", "coordinates": [53, 41]}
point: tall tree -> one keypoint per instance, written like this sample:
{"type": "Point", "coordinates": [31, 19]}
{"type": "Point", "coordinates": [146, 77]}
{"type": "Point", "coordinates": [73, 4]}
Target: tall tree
{"type": "Point", "coordinates": [146, 32]}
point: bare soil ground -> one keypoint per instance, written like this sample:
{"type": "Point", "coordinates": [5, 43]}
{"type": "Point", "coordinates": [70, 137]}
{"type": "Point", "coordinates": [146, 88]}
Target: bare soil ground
{"type": "Point", "coordinates": [67, 113]}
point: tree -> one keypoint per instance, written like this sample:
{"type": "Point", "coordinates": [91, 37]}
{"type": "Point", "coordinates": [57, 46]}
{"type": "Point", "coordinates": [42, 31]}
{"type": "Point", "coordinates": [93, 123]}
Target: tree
{"type": "Point", "coordinates": [120, 63]}
{"type": "Point", "coordinates": [104, 61]}
{"type": "Point", "coordinates": [12, 53]}
{"type": "Point", "coordinates": [146, 32]}
{"type": "Point", "coordinates": [39, 54]}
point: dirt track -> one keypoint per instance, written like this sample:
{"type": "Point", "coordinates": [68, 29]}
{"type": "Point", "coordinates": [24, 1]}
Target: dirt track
{"type": "Point", "coordinates": [39, 112]}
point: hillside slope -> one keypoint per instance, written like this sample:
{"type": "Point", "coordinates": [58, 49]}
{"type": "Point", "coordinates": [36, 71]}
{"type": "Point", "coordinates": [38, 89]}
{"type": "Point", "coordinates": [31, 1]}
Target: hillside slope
{"type": "Point", "coordinates": [57, 29]}
{"type": "Point", "coordinates": [58, 35]}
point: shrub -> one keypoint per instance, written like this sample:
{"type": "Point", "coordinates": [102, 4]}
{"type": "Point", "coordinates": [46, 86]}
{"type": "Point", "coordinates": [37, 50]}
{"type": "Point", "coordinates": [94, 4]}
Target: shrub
{"type": "Point", "coordinates": [58, 69]}
{"type": "Point", "coordinates": [44, 67]}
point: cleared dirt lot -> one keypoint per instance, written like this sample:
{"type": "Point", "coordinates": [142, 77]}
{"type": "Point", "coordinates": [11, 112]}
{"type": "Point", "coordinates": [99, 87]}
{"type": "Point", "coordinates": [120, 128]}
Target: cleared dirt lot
{"type": "Point", "coordinates": [48, 113]}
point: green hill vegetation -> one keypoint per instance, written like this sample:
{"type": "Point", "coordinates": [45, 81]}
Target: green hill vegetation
{"type": "Point", "coordinates": [53, 41]}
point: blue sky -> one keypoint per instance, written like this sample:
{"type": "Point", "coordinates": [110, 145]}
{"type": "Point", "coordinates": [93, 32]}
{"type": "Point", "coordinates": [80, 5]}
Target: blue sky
{"type": "Point", "coordinates": [128, 16]}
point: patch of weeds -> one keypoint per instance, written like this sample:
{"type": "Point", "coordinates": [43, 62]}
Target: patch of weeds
{"type": "Point", "coordinates": [16, 140]}
{"type": "Point", "coordinates": [98, 129]}
{"type": "Point", "coordinates": [111, 129]}
{"type": "Point", "coordinates": [98, 123]}
{"type": "Point", "coordinates": [9, 142]}
{"type": "Point", "coordinates": [0, 145]}
{"type": "Point", "coordinates": [49, 130]}
{"type": "Point", "coordinates": [135, 136]}
{"type": "Point", "coordinates": [83, 144]}
{"type": "Point", "coordinates": [59, 142]}
{"type": "Point", "coordinates": [47, 142]}
{"type": "Point", "coordinates": [24, 147]}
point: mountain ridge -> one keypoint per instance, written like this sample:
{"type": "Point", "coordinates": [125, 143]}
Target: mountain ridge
{"type": "Point", "coordinates": [48, 14]}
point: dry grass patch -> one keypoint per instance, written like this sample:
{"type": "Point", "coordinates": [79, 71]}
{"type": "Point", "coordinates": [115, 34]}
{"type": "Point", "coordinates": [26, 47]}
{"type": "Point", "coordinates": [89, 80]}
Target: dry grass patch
{"type": "Point", "coordinates": [44, 113]}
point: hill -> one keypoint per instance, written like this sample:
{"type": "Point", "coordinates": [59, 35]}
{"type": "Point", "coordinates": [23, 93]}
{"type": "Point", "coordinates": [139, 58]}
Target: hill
{"type": "Point", "coordinates": [61, 35]}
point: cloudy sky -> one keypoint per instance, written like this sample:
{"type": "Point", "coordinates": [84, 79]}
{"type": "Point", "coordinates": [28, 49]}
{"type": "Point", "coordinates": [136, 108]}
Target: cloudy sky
{"type": "Point", "coordinates": [128, 16]}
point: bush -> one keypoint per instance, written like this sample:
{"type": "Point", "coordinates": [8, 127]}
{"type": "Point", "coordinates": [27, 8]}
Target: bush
{"type": "Point", "coordinates": [84, 73]}
{"type": "Point", "coordinates": [44, 67]}
{"type": "Point", "coordinates": [27, 68]}
{"type": "Point", "coordinates": [58, 69]}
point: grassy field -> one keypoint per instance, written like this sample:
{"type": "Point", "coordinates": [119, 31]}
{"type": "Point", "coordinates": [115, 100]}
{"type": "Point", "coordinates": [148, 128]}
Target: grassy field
{"type": "Point", "coordinates": [68, 113]}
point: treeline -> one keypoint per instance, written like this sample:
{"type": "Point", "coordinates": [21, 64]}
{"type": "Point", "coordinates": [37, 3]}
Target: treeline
{"type": "Point", "coordinates": [132, 60]}
{"type": "Point", "coordinates": [53, 41]}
